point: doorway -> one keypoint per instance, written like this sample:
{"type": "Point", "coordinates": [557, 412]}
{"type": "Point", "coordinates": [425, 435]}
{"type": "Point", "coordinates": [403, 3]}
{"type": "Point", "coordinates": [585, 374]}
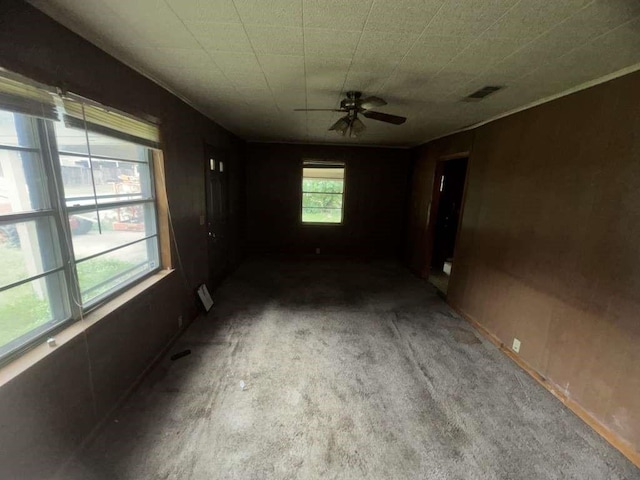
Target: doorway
{"type": "Point", "coordinates": [217, 171]}
{"type": "Point", "coordinates": [447, 202]}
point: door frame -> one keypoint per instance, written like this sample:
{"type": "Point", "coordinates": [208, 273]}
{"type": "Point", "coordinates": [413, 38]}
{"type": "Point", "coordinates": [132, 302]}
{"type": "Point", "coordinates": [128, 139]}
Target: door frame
{"type": "Point", "coordinates": [435, 203]}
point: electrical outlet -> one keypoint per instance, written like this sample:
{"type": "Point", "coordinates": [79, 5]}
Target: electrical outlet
{"type": "Point", "coordinates": [180, 321]}
{"type": "Point", "coordinates": [317, 251]}
{"type": "Point", "coordinates": [516, 345]}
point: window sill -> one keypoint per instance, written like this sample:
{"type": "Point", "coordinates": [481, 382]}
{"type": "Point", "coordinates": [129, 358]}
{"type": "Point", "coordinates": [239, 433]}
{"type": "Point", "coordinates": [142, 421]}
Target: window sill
{"type": "Point", "coordinates": [322, 224]}
{"type": "Point", "coordinates": [31, 357]}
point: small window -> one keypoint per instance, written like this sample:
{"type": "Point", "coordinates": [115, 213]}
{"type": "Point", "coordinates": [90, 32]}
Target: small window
{"type": "Point", "coordinates": [322, 192]}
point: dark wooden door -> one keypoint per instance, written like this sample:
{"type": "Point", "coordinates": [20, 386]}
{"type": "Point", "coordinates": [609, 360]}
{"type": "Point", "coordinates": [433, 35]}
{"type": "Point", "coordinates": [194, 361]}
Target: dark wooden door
{"type": "Point", "coordinates": [217, 213]}
{"type": "Point", "coordinates": [451, 183]}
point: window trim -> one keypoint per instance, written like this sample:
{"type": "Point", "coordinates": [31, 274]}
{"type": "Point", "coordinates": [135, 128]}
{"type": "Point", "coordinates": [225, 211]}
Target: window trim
{"type": "Point", "coordinates": [337, 164]}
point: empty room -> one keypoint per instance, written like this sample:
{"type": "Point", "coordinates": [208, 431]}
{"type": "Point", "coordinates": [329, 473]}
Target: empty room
{"type": "Point", "coordinates": [348, 239]}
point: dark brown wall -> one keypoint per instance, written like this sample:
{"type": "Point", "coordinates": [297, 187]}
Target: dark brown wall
{"type": "Point", "coordinates": [548, 249]}
{"type": "Point", "coordinates": [34, 45]}
{"type": "Point", "coordinates": [376, 187]}
{"type": "Point", "coordinates": [47, 411]}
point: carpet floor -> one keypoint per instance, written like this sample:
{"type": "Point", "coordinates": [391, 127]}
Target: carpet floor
{"type": "Point", "coordinates": [345, 370]}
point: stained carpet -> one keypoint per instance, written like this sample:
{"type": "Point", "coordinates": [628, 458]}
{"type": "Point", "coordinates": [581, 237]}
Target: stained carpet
{"type": "Point", "coordinates": [345, 370]}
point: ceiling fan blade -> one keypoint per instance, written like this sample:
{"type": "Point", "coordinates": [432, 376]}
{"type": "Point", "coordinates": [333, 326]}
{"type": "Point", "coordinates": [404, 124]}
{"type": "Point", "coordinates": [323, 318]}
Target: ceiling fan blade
{"type": "Point", "coordinates": [317, 110]}
{"type": "Point", "coordinates": [384, 117]}
{"type": "Point", "coordinates": [370, 102]}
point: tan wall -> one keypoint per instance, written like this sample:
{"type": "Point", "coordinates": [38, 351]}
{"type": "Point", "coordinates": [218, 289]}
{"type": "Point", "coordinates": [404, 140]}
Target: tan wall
{"type": "Point", "coordinates": [548, 248]}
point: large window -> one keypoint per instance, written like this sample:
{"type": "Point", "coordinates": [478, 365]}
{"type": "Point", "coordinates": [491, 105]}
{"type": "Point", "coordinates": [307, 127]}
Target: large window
{"type": "Point", "coordinates": [77, 209]}
{"type": "Point", "coordinates": [322, 192]}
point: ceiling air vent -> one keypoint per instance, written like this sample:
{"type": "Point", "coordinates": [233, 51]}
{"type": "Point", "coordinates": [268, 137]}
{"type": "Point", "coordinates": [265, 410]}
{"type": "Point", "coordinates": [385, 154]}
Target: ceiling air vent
{"type": "Point", "coordinates": [482, 93]}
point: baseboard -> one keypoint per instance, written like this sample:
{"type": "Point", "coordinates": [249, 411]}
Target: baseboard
{"type": "Point", "coordinates": [611, 437]}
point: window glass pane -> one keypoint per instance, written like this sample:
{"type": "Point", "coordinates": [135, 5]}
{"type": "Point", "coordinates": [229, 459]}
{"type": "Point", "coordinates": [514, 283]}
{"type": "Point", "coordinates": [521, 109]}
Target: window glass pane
{"type": "Point", "coordinates": [116, 148]}
{"type": "Point", "coordinates": [322, 192]}
{"type": "Point", "coordinates": [114, 180]}
{"type": "Point", "coordinates": [121, 181]}
{"type": "Point", "coordinates": [322, 185]}
{"type": "Point", "coordinates": [76, 178]}
{"type": "Point", "coordinates": [322, 200]}
{"type": "Point", "coordinates": [321, 215]}
{"type": "Point", "coordinates": [17, 130]}
{"type": "Point", "coordinates": [102, 275]}
{"type": "Point", "coordinates": [31, 305]}
{"type": "Point", "coordinates": [71, 139]}
{"type": "Point", "coordinates": [119, 226]}
{"type": "Point", "coordinates": [27, 249]}
{"type": "Point", "coordinates": [23, 184]}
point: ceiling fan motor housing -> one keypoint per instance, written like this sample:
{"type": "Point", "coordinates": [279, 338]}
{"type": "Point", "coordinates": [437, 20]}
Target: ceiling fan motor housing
{"type": "Point", "coordinates": [352, 101]}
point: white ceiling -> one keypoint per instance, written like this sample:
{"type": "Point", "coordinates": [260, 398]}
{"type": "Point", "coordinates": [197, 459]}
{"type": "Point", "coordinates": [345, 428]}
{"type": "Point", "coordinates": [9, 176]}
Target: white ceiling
{"type": "Point", "coordinates": [248, 63]}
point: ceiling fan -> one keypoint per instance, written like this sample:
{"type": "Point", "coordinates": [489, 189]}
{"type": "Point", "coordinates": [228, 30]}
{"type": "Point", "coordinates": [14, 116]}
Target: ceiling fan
{"type": "Point", "coordinates": [352, 106]}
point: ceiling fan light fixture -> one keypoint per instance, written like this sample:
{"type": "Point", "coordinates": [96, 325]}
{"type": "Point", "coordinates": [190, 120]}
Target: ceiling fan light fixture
{"type": "Point", "coordinates": [341, 125]}
{"type": "Point", "coordinates": [357, 127]}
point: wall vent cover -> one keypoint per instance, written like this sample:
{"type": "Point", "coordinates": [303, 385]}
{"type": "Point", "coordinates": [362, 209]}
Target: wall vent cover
{"type": "Point", "coordinates": [482, 93]}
